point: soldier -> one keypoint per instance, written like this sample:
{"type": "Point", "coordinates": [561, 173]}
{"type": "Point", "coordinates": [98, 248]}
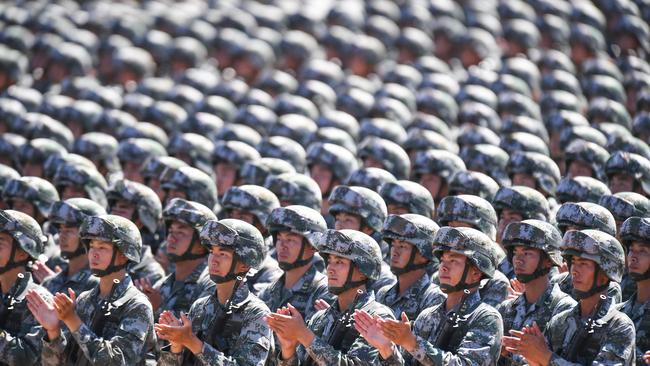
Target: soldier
{"type": "Point", "coordinates": [152, 172]}
{"type": "Point", "coordinates": [628, 172]}
{"type": "Point", "coordinates": [518, 203]}
{"type": "Point", "coordinates": [75, 180]}
{"type": "Point", "coordinates": [189, 280]}
{"type": "Point", "coordinates": [381, 153]}
{"type": "Point", "coordinates": [461, 330]}
{"type": "Point", "coordinates": [21, 241]}
{"type": "Point", "coordinates": [301, 284]}
{"type": "Point", "coordinates": [134, 153]}
{"type": "Point", "coordinates": [591, 331]}
{"type": "Point", "coordinates": [228, 158]}
{"type": "Point", "coordinates": [189, 183]}
{"type": "Point", "coordinates": [227, 326]}
{"type": "Point", "coordinates": [404, 196]}
{"type": "Point", "coordinates": [254, 204]}
{"type": "Point", "coordinates": [581, 189]}
{"type": "Point", "coordinates": [109, 324]}
{"type": "Point", "coordinates": [533, 248]}
{"type": "Point", "coordinates": [295, 189]}
{"type": "Point", "coordinates": [410, 237]}
{"type": "Point", "coordinates": [434, 169]}
{"type": "Point", "coordinates": [353, 262]}
{"type": "Point", "coordinates": [635, 235]}
{"type": "Point", "coordinates": [358, 208]}
{"type": "Point", "coordinates": [534, 170]}
{"type": "Point", "coordinates": [67, 216]}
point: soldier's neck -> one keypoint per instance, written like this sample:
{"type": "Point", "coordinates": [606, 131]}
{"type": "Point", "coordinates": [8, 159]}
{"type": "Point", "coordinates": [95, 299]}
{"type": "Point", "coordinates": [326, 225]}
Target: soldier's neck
{"type": "Point", "coordinates": [76, 264]}
{"type": "Point", "coordinates": [454, 298]}
{"type": "Point", "coordinates": [408, 279]}
{"type": "Point", "coordinates": [224, 291]}
{"type": "Point", "coordinates": [8, 279]}
{"type": "Point", "coordinates": [106, 282]}
{"type": "Point", "coordinates": [536, 288]}
{"type": "Point", "coordinates": [588, 305]}
{"type": "Point", "coordinates": [346, 298]}
{"type": "Point", "coordinates": [185, 268]}
{"type": "Point", "coordinates": [294, 275]}
{"type": "Point", "coordinates": [643, 291]}
{"type": "Point", "coordinates": [325, 206]}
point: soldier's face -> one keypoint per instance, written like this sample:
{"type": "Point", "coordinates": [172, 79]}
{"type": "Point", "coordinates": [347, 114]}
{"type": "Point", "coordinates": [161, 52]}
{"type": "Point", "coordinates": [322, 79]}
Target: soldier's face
{"type": "Point", "coordinates": [33, 170]}
{"type": "Point", "coordinates": [23, 206]}
{"type": "Point", "coordinates": [100, 253]}
{"type": "Point", "coordinates": [371, 162]}
{"type": "Point", "coordinates": [73, 191]}
{"type": "Point", "coordinates": [154, 184]}
{"type": "Point", "coordinates": [337, 271]}
{"type": "Point", "coordinates": [400, 252]}
{"type": "Point", "coordinates": [323, 177]}
{"type": "Point", "coordinates": [179, 237]}
{"type": "Point", "coordinates": [394, 209]}
{"type": "Point", "coordinates": [347, 221]}
{"type": "Point", "coordinates": [506, 217]}
{"type": "Point", "coordinates": [6, 243]}
{"type": "Point", "coordinates": [525, 259]}
{"type": "Point", "coordinates": [226, 176]}
{"type": "Point", "coordinates": [123, 208]}
{"type": "Point", "coordinates": [131, 171]}
{"type": "Point", "coordinates": [638, 257]}
{"type": "Point", "coordinates": [579, 169]}
{"type": "Point", "coordinates": [452, 266]}
{"type": "Point", "coordinates": [621, 183]}
{"type": "Point", "coordinates": [68, 238]}
{"type": "Point", "coordinates": [173, 193]}
{"type": "Point", "coordinates": [220, 260]}
{"type": "Point", "coordinates": [434, 184]}
{"type": "Point", "coordinates": [582, 274]}
{"type": "Point", "coordinates": [287, 246]}
{"type": "Point", "coordinates": [241, 215]}
{"type": "Point", "coordinates": [524, 179]}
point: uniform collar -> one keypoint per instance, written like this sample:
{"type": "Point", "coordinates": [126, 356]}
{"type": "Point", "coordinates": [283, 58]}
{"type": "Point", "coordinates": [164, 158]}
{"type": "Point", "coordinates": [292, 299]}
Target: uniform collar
{"type": "Point", "coordinates": [413, 291]}
{"type": "Point", "coordinates": [239, 297]}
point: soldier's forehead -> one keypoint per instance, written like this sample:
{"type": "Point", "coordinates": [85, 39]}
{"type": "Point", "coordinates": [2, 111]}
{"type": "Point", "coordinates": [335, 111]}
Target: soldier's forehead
{"type": "Point", "coordinates": [337, 257]}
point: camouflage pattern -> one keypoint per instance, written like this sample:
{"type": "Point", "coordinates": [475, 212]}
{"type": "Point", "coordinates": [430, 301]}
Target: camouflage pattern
{"type": "Point", "coordinates": [635, 228]}
{"type": "Point", "coordinates": [334, 326]}
{"type": "Point", "coordinates": [539, 166]}
{"type": "Point", "coordinates": [38, 150]}
{"type": "Point", "coordinates": [639, 313]}
{"type": "Point", "coordinates": [337, 158]}
{"type": "Point", "coordinates": [73, 211]}
{"type": "Point", "coordinates": [518, 313]}
{"type": "Point", "coordinates": [148, 267]}
{"type": "Point", "coordinates": [473, 244]}
{"type": "Point", "coordinates": [55, 162]}
{"type": "Point", "coordinates": [234, 333]}
{"type": "Point", "coordinates": [535, 234]}
{"type": "Point", "coordinates": [624, 205]}
{"type": "Point", "coordinates": [295, 189]}
{"type": "Point", "coordinates": [7, 174]}
{"type": "Point", "coordinates": [472, 210]}
{"type": "Point", "coordinates": [302, 295]}
{"type": "Point", "coordinates": [632, 164]}
{"type": "Point", "coordinates": [20, 333]}
{"type": "Point", "coordinates": [421, 295]}
{"type": "Point", "coordinates": [78, 282]}
{"type": "Point", "coordinates": [125, 336]}
{"type": "Point", "coordinates": [178, 296]}
{"type": "Point", "coordinates": [599, 247]}
{"type": "Point", "coordinates": [155, 166]}
{"type": "Point", "coordinates": [589, 153]}
{"type": "Point", "coordinates": [565, 282]}
{"type": "Point", "coordinates": [610, 341]}
{"type": "Point", "coordinates": [39, 192]}
{"type": "Point", "coordinates": [360, 201]}
{"type": "Point", "coordinates": [489, 159]}
{"type": "Point", "coordinates": [121, 232]}
{"type": "Point", "coordinates": [581, 189]}
{"type": "Point", "coordinates": [98, 146]}
{"type": "Point", "coordinates": [526, 201]}
{"type": "Point", "coordinates": [196, 147]}
{"type": "Point", "coordinates": [585, 215]}
{"type": "Point", "coordinates": [474, 183]}
{"type": "Point", "coordinates": [371, 178]}
{"type": "Point", "coordinates": [25, 231]}
{"type": "Point", "coordinates": [297, 219]}
{"type": "Point", "coordinates": [91, 180]}
{"type": "Point", "coordinates": [139, 150]}
{"type": "Point", "coordinates": [242, 237]}
{"type": "Point", "coordinates": [197, 185]}
{"type": "Point", "coordinates": [257, 200]}
{"type": "Point", "coordinates": [438, 162]}
{"type": "Point", "coordinates": [409, 195]}
{"type": "Point", "coordinates": [236, 153]}
{"type": "Point", "coordinates": [188, 212]}
{"type": "Point", "coordinates": [415, 229]}
{"type": "Point", "coordinates": [354, 245]}
{"type": "Point", "coordinates": [256, 172]}
{"type": "Point", "coordinates": [475, 338]}
{"type": "Point", "coordinates": [143, 198]}
{"type": "Point", "coordinates": [391, 155]}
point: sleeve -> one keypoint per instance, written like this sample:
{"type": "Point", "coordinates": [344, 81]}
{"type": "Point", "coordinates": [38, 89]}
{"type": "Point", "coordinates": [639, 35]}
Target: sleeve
{"type": "Point", "coordinates": [52, 354]}
{"type": "Point", "coordinates": [125, 348]}
{"type": "Point", "coordinates": [252, 348]}
{"type": "Point", "coordinates": [495, 291]}
{"type": "Point", "coordinates": [23, 348]}
{"type": "Point", "coordinates": [480, 345]}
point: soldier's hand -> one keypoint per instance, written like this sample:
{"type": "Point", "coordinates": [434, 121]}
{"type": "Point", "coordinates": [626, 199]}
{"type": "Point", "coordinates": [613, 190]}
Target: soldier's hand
{"type": "Point", "coordinates": [399, 332]}
{"type": "Point", "coordinates": [44, 313]}
{"type": "Point", "coordinates": [516, 288]}
{"type": "Point", "coordinates": [530, 344]}
{"type": "Point", "coordinates": [152, 293]}
{"type": "Point", "coordinates": [178, 332]}
{"type": "Point", "coordinates": [646, 357]}
{"type": "Point", "coordinates": [168, 318]}
{"type": "Point", "coordinates": [368, 327]}
{"type": "Point", "coordinates": [287, 340]}
{"type": "Point", "coordinates": [321, 304]}
{"type": "Point", "coordinates": [65, 309]}
{"type": "Point", "coordinates": [42, 271]}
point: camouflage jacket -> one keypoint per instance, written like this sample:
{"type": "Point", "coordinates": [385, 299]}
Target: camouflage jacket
{"type": "Point", "coordinates": [79, 282]}
{"type": "Point", "coordinates": [506, 268]}
{"type": "Point", "coordinates": [337, 342]}
{"type": "Point", "coordinates": [235, 334]}
{"type": "Point", "coordinates": [261, 278]}
{"type": "Point", "coordinates": [566, 285]}
{"type": "Point", "coordinates": [640, 315]}
{"type": "Point", "coordinates": [609, 342]}
{"type": "Point", "coordinates": [20, 333]}
{"type": "Point", "coordinates": [147, 268]}
{"type": "Point", "coordinates": [468, 334]}
{"type": "Point", "coordinates": [421, 295]}
{"type": "Point", "coordinates": [123, 336]}
{"type": "Point", "coordinates": [386, 278]}
{"type": "Point", "coordinates": [309, 288]}
{"type": "Point", "coordinates": [178, 296]}
{"type": "Point", "coordinates": [517, 313]}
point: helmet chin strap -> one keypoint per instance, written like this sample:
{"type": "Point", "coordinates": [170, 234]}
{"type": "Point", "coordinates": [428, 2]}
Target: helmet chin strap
{"type": "Point", "coordinates": [299, 262]}
{"type": "Point", "coordinates": [595, 288]}
{"type": "Point", "coordinates": [337, 290]}
{"type": "Point", "coordinates": [12, 262]}
{"type": "Point", "coordinates": [187, 255]}
{"type": "Point", "coordinates": [461, 285]}
{"type": "Point", "coordinates": [537, 273]}
{"type": "Point", "coordinates": [410, 265]}
{"type": "Point", "coordinates": [231, 275]}
{"type": "Point", "coordinates": [638, 277]}
{"type": "Point", "coordinates": [111, 268]}
{"type": "Point", "coordinates": [81, 250]}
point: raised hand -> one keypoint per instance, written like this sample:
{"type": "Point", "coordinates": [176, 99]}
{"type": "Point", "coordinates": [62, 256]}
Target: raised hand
{"type": "Point", "coordinates": [173, 330]}
{"type": "Point", "coordinates": [65, 309]}
{"type": "Point", "coordinates": [321, 304]}
{"type": "Point", "coordinates": [399, 332]}
{"type": "Point", "coordinates": [370, 330]}
{"type": "Point", "coordinates": [42, 271]}
{"type": "Point", "coordinates": [44, 314]}
{"type": "Point", "coordinates": [516, 288]}
{"type": "Point", "coordinates": [152, 293]}
{"type": "Point", "coordinates": [530, 344]}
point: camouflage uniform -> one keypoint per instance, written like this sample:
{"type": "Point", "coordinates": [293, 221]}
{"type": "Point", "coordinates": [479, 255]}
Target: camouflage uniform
{"type": "Point", "coordinates": [410, 195]}
{"type": "Point", "coordinates": [518, 312]}
{"type": "Point", "coordinates": [469, 333]}
{"type": "Point", "coordinates": [20, 333]}
{"type": "Point", "coordinates": [336, 341]}
{"type": "Point", "coordinates": [607, 337]}
{"type": "Point", "coordinates": [233, 333]}
{"type": "Point", "coordinates": [116, 330]}
{"type": "Point", "coordinates": [418, 231]}
{"type": "Point", "coordinates": [581, 189]}
{"type": "Point", "coordinates": [637, 228]}
{"type": "Point", "coordinates": [312, 285]}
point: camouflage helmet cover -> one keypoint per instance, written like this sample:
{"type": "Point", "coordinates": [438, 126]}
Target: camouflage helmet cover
{"type": "Point", "coordinates": [528, 202]}
{"type": "Point", "coordinates": [597, 246]}
{"type": "Point", "coordinates": [469, 209]}
{"type": "Point", "coordinates": [534, 234]}
{"type": "Point", "coordinates": [243, 238]}
{"type": "Point", "coordinates": [354, 245]}
{"type": "Point", "coordinates": [359, 201]}
{"type": "Point", "coordinates": [473, 244]}
{"type": "Point", "coordinates": [624, 205]}
{"type": "Point", "coordinates": [73, 211]}
{"type": "Point", "coordinates": [586, 215]}
{"type": "Point", "coordinates": [119, 231]}
{"type": "Point", "coordinates": [297, 219]}
{"type": "Point", "coordinates": [143, 198]}
{"type": "Point", "coordinates": [24, 230]}
{"type": "Point", "coordinates": [411, 195]}
{"type": "Point", "coordinates": [251, 198]}
{"type": "Point", "coordinates": [412, 228]}
{"type": "Point", "coordinates": [191, 213]}
{"type": "Point", "coordinates": [34, 190]}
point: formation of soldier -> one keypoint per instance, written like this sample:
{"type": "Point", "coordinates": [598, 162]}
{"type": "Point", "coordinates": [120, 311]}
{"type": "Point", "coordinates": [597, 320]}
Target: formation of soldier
{"type": "Point", "coordinates": [325, 183]}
